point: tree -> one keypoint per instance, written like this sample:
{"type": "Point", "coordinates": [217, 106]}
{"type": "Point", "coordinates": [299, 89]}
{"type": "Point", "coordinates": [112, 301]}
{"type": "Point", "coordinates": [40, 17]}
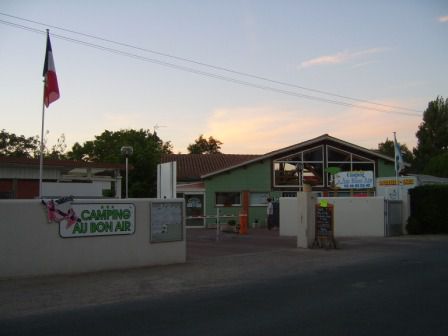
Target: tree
{"type": "Point", "coordinates": [29, 147]}
{"type": "Point", "coordinates": [432, 134]}
{"type": "Point", "coordinates": [202, 145]}
{"type": "Point", "coordinates": [388, 148]}
{"type": "Point", "coordinates": [58, 151]}
{"type": "Point", "coordinates": [147, 148]}
{"type": "Point", "coordinates": [437, 166]}
{"type": "Point", "coordinates": [18, 145]}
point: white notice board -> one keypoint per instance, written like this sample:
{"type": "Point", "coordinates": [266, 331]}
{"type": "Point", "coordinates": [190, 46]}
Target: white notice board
{"type": "Point", "coordinates": [166, 221]}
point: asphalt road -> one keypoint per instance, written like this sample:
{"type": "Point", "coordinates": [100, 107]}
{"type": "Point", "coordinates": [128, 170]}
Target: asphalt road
{"type": "Point", "coordinates": [399, 293]}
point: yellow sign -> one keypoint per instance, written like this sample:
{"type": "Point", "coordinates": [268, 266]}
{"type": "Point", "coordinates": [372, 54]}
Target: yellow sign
{"type": "Point", "coordinates": [392, 182]}
{"type": "Point", "coordinates": [323, 203]}
{"type": "Point", "coordinates": [408, 181]}
{"type": "Point", "coordinates": [387, 182]}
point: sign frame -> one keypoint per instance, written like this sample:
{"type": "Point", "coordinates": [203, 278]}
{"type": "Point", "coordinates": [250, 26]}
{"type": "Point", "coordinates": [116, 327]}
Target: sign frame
{"type": "Point", "coordinates": [103, 227]}
{"type": "Point", "coordinates": [324, 226]}
{"type": "Point", "coordinates": [166, 221]}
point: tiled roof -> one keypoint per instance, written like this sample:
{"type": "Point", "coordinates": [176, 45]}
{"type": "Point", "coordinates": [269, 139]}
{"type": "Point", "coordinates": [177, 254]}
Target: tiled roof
{"type": "Point", "coordinates": [190, 167]}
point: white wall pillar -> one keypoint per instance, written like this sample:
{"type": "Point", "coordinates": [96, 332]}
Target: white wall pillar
{"type": "Point", "coordinates": [306, 231]}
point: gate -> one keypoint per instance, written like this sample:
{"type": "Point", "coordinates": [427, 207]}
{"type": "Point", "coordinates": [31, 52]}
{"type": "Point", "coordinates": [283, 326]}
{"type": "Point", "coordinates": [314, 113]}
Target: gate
{"type": "Point", "coordinates": [393, 218]}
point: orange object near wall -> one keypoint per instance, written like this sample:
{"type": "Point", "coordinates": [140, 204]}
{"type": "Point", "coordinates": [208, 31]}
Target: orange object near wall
{"type": "Point", "coordinates": [245, 203]}
{"type": "Point", "coordinates": [243, 223]}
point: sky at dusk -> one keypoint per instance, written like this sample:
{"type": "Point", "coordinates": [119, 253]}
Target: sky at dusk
{"type": "Point", "coordinates": [257, 75]}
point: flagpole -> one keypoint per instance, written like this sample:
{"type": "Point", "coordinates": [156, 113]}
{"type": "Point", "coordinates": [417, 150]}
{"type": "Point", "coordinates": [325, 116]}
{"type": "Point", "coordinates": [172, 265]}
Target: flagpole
{"type": "Point", "coordinates": [396, 158]}
{"type": "Point", "coordinates": [51, 93]}
{"type": "Point", "coordinates": [396, 167]}
{"type": "Point", "coordinates": [41, 161]}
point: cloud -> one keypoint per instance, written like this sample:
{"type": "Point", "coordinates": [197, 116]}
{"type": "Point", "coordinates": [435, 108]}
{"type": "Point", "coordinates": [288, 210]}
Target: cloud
{"type": "Point", "coordinates": [258, 130]}
{"type": "Point", "coordinates": [367, 128]}
{"type": "Point", "coordinates": [340, 57]}
{"type": "Point", "coordinates": [443, 18]}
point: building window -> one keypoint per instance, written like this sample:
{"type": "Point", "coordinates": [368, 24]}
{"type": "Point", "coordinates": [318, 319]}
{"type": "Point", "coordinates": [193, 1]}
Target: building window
{"type": "Point", "coordinates": [347, 162]}
{"type": "Point", "coordinates": [285, 173]}
{"type": "Point", "coordinates": [306, 167]}
{"type": "Point", "coordinates": [259, 198]}
{"type": "Point", "coordinates": [228, 199]}
{"type": "Point", "coordinates": [337, 155]}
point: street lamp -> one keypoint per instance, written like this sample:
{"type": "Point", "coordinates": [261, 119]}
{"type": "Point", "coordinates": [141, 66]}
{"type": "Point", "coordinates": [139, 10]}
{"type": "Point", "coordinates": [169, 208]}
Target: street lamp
{"type": "Point", "coordinates": [127, 151]}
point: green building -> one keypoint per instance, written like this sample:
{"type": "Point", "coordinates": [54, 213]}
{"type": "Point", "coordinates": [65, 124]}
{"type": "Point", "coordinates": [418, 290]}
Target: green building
{"type": "Point", "coordinates": [240, 184]}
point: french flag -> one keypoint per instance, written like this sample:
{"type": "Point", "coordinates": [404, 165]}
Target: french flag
{"type": "Point", "coordinates": [51, 91]}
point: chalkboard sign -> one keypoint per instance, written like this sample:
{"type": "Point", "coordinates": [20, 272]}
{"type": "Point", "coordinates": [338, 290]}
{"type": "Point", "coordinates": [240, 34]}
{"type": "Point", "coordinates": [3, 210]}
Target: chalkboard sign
{"type": "Point", "coordinates": [324, 226]}
{"type": "Point", "coordinates": [166, 221]}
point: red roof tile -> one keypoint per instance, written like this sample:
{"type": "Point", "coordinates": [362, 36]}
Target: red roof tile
{"type": "Point", "coordinates": [190, 167]}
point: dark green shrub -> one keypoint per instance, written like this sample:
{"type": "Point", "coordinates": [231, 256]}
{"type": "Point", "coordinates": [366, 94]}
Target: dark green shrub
{"type": "Point", "coordinates": [414, 226]}
{"type": "Point", "coordinates": [429, 213]}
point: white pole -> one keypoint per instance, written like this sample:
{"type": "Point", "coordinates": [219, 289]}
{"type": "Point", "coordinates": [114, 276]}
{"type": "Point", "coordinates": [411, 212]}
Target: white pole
{"type": "Point", "coordinates": [41, 161]}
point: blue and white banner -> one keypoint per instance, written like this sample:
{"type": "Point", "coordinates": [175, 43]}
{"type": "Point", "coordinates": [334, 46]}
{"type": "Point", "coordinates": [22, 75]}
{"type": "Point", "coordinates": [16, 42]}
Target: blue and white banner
{"type": "Point", "coordinates": [399, 163]}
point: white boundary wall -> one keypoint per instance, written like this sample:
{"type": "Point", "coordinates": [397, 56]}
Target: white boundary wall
{"type": "Point", "coordinates": [358, 216]}
{"type": "Point", "coordinates": [353, 216]}
{"type": "Point", "coordinates": [31, 246]}
{"type": "Point", "coordinates": [289, 216]}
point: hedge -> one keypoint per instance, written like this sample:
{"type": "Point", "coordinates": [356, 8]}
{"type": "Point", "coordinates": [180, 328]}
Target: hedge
{"type": "Point", "coordinates": [429, 210]}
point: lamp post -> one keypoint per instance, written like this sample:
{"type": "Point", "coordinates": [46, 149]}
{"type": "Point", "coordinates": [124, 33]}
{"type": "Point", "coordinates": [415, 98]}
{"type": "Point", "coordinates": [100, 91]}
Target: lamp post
{"type": "Point", "coordinates": [127, 151]}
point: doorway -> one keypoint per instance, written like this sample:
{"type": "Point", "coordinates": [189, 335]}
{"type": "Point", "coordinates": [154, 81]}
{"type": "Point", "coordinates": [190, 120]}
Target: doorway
{"type": "Point", "coordinates": [194, 204]}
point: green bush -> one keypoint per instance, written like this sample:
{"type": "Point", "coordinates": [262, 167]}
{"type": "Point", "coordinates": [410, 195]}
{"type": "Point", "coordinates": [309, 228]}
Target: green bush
{"type": "Point", "coordinates": [414, 226]}
{"type": "Point", "coordinates": [428, 210]}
